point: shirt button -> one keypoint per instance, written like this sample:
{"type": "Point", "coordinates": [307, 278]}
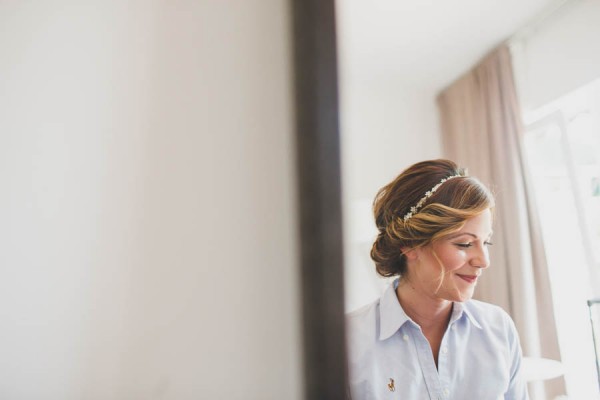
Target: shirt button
{"type": "Point", "coordinates": [444, 350]}
{"type": "Point", "coordinates": [453, 327]}
{"type": "Point", "coordinates": [405, 337]}
{"type": "Point", "coordinates": [446, 392]}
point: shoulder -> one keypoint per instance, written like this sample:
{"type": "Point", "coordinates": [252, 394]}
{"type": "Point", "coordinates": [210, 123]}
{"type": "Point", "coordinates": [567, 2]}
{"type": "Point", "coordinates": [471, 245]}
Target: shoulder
{"type": "Point", "coordinates": [363, 321]}
{"type": "Point", "coordinates": [486, 311]}
{"type": "Point", "coordinates": [362, 327]}
{"type": "Point", "coordinates": [483, 307]}
{"type": "Point", "coordinates": [492, 318]}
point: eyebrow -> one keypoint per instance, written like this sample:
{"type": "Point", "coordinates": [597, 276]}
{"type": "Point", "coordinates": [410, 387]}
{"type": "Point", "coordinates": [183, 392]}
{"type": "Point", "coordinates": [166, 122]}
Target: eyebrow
{"type": "Point", "coordinates": [467, 233]}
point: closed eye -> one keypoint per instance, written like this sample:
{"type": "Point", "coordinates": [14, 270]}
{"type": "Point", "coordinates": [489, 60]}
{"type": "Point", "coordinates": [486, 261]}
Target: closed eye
{"type": "Point", "coordinates": [467, 245]}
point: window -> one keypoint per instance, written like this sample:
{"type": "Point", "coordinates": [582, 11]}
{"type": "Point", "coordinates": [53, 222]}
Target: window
{"type": "Point", "coordinates": [562, 152]}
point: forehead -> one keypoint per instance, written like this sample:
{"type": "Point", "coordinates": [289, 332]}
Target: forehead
{"type": "Point", "coordinates": [479, 225]}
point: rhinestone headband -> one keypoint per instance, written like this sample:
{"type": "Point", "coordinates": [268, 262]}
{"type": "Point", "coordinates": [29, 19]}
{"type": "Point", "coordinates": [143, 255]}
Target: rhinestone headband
{"type": "Point", "coordinates": [414, 209]}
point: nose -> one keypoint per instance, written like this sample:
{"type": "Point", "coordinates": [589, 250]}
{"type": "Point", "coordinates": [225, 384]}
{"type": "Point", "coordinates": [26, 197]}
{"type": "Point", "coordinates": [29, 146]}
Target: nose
{"type": "Point", "coordinates": [480, 257]}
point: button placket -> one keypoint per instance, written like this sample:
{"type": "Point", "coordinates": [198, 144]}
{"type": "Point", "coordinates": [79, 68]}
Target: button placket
{"type": "Point", "coordinates": [444, 362]}
{"type": "Point", "coordinates": [428, 367]}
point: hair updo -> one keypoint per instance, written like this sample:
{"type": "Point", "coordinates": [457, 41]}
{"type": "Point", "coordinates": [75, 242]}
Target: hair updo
{"type": "Point", "coordinates": [443, 213]}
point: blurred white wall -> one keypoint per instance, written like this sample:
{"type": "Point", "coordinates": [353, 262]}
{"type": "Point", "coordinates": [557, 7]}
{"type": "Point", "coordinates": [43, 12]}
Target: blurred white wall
{"type": "Point", "coordinates": [147, 216]}
{"type": "Point", "coordinates": [386, 126]}
{"type": "Point", "coordinates": [558, 56]}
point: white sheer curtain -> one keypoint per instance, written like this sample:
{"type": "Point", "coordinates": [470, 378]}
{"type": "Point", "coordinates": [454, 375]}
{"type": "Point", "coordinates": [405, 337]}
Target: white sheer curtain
{"type": "Point", "coordinates": [481, 129]}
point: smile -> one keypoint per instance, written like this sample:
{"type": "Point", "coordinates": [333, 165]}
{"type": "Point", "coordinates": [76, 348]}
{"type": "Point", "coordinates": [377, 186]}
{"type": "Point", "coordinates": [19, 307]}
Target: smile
{"type": "Point", "coordinates": [468, 278]}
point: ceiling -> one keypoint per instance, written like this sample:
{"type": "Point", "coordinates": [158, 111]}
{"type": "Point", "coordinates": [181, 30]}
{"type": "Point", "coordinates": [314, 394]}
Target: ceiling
{"type": "Point", "coordinates": [425, 44]}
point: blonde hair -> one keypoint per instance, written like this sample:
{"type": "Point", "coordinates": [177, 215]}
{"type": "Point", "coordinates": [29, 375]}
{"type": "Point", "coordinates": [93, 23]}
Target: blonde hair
{"type": "Point", "coordinates": [445, 211]}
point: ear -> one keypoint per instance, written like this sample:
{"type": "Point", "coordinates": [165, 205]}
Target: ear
{"type": "Point", "coordinates": [411, 254]}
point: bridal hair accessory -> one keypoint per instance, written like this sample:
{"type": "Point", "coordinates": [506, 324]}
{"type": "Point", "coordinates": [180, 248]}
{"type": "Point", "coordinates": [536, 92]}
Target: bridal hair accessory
{"type": "Point", "coordinates": [414, 209]}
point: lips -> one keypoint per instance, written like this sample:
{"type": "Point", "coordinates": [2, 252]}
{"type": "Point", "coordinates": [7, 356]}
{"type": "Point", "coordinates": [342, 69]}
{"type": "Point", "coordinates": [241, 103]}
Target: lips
{"type": "Point", "coordinates": [468, 278]}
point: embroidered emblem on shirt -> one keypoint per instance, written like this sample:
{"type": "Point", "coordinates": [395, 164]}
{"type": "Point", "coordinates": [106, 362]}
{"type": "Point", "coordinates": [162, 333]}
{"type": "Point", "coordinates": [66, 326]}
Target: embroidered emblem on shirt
{"type": "Point", "coordinates": [391, 385]}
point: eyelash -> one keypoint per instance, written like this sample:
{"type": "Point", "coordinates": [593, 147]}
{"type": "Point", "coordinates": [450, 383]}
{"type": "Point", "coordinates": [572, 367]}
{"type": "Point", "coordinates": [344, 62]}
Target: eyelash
{"type": "Point", "coordinates": [467, 245]}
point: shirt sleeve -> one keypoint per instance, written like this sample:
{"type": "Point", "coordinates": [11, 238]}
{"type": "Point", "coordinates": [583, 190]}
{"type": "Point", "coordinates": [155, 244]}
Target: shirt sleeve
{"type": "Point", "coordinates": [517, 387]}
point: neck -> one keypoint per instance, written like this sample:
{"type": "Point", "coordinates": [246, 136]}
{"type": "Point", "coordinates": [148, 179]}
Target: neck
{"type": "Point", "coordinates": [430, 313]}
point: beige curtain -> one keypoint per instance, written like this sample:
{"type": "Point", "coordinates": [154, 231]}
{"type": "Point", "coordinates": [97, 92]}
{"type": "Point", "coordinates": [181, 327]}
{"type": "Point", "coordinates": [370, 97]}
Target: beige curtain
{"type": "Point", "coordinates": [481, 129]}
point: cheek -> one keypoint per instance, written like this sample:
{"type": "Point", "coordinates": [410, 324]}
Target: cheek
{"type": "Point", "coordinates": [454, 260]}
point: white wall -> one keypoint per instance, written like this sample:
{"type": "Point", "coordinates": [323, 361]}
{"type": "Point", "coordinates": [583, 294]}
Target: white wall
{"type": "Point", "coordinates": [386, 125]}
{"type": "Point", "coordinates": [560, 55]}
{"type": "Point", "coordinates": [147, 215]}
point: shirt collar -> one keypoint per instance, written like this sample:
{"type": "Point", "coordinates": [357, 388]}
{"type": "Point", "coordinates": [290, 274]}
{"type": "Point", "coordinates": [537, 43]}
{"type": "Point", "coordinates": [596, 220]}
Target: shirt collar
{"type": "Point", "coordinates": [392, 316]}
{"type": "Point", "coordinates": [462, 308]}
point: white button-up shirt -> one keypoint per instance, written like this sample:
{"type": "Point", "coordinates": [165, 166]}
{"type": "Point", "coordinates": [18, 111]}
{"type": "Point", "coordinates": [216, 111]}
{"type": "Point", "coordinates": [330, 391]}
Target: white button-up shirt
{"type": "Point", "coordinates": [390, 358]}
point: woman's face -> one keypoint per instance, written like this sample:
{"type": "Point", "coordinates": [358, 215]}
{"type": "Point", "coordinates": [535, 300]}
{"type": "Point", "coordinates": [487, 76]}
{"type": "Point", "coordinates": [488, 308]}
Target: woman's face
{"type": "Point", "coordinates": [463, 255]}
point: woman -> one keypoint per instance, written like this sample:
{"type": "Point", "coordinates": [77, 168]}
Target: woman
{"type": "Point", "coordinates": [425, 338]}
